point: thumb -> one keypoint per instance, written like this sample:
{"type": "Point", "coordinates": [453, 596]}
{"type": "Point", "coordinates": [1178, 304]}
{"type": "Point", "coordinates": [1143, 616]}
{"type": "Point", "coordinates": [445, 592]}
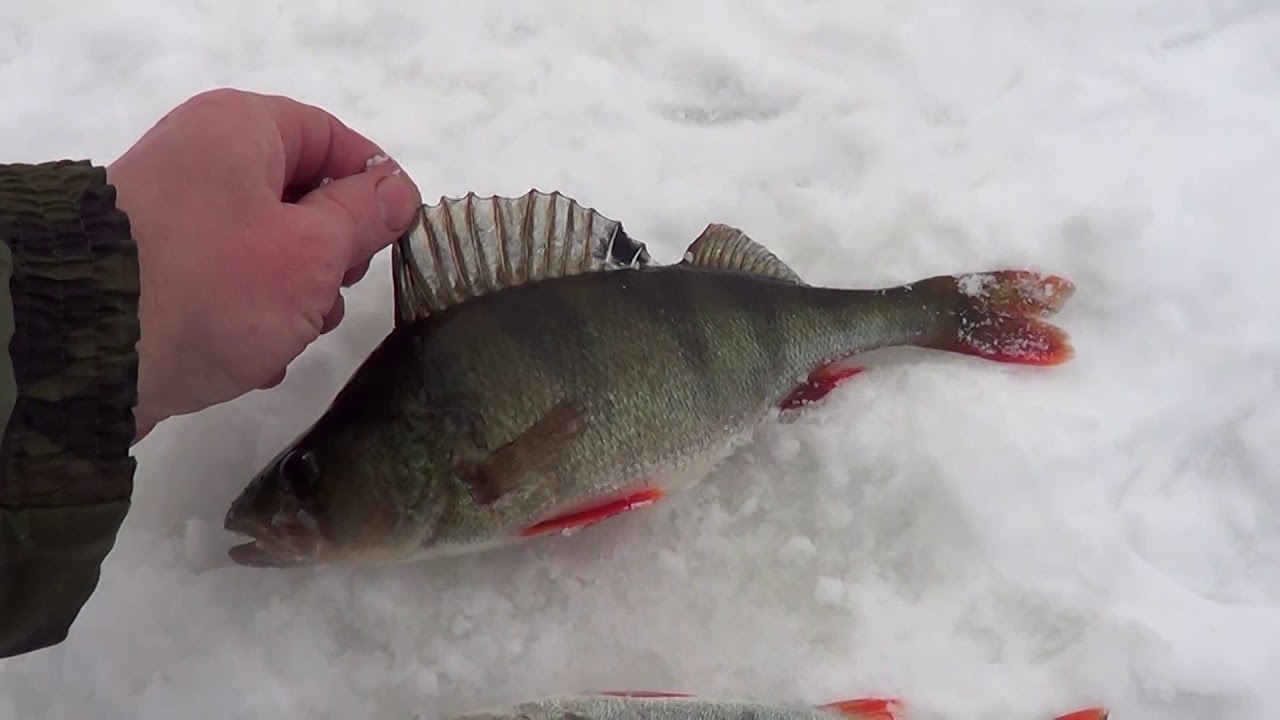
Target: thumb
{"type": "Point", "coordinates": [364, 212]}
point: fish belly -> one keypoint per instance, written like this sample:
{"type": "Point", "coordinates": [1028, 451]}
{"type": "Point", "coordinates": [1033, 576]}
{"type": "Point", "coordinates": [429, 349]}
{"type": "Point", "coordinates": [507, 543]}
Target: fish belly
{"type": "Point", "coordinates": [565, 490]}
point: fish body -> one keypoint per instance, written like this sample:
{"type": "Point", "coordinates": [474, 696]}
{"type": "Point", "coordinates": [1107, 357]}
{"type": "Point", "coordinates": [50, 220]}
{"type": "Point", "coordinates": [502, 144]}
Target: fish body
{"type": "Point", "coordinates": [543, 376]}
{"type": "Point", "coordinates": [675, 706]}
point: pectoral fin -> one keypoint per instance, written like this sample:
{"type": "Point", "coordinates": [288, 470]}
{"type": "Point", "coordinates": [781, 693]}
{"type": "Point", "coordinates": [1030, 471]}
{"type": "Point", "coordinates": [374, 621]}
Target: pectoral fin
{"type": "Point", "coordinates": [507, 466]}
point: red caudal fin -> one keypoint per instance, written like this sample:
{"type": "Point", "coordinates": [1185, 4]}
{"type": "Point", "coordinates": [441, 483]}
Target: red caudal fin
{"type": "Point", "coordinates": [593, 513]}
{"type": "Point", "coordinates": [867, 708]}
{"type": "Point", "coordinates": [996, 315]}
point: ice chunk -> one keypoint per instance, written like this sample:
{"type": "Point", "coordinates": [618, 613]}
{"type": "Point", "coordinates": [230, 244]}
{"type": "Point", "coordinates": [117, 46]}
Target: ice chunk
{"type": "Point", "coordinates": [828, 590]}
{"type": "Point", "coordinates": [797, 550]}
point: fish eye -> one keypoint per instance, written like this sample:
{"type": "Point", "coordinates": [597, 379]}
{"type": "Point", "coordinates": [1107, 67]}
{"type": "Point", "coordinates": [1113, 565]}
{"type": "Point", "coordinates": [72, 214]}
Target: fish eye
{"type": "Point", "coordinates": [300, 471]}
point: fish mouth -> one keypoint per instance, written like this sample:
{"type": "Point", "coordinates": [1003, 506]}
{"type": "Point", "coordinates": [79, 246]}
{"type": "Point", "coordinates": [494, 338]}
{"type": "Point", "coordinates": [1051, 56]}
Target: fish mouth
{"type": "Point", "coordinates": [265, 548]}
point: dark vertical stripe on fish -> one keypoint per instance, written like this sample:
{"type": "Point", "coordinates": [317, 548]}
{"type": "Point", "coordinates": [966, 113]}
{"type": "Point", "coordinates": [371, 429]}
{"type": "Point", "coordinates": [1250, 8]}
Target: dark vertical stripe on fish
{"type": "Point", "coordinates": [545, 324]}
{"type": "Point", "coordinates": [769, 326]}
{"type": "Point", "coordinates": [674, 305]}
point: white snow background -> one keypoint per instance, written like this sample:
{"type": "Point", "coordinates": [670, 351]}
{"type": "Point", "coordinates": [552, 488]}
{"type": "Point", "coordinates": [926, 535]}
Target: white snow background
{"type": "Point", "coordinates": [983, 540]}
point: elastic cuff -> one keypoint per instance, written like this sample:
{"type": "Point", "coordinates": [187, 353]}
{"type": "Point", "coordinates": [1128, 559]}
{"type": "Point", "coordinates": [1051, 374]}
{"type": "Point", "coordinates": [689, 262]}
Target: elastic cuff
{"type": "Point", "coordinates": [75, 296]}
{"type": "Point", "coordinates": [50, 563]}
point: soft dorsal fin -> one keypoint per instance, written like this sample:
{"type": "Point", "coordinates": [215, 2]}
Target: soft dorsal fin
{"type": "Point", "coordinates": [461, 248]}
{"type": "Point", "coordinates": [724, 247]}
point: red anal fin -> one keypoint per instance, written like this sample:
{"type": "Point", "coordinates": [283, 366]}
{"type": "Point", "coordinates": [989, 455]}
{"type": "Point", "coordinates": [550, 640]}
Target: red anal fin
{"type": "Point", "coordinates": [867, 708]}
{"type": "Point", "coordinates": [592, 514]}
{"type": "Point", "coordinates": [642, 694]}
{"type": "Point", "coordinates": [821, 382]}
{"type": "Point", "coordinates": [1095, 713]}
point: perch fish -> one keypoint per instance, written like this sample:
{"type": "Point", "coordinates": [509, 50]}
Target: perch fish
{"type": "Point", "coordinates": [644, 705]}
{"type": "Point", "coordinates": [543, 374]}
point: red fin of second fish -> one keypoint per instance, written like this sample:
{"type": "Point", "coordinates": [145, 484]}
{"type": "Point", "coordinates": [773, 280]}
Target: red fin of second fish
{"type": "Point", "coordinates": [894, 709]}
{"type": "Point", "coordinates": [593, 513]}
{"type": "Point", "coordinates": [1095, 713]}
{"type": "Point", "coordinates": [867, 708]}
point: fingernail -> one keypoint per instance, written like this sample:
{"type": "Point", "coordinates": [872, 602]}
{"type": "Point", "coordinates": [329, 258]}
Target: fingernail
{"type": "Point", "coordinates": [395, 200]}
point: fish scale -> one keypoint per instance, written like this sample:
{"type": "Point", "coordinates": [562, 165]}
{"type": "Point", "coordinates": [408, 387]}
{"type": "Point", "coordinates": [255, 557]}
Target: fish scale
{"type": "Point", "coordinates": [650, 402]}
{"type": "Point", "coordinates": [589, 383]}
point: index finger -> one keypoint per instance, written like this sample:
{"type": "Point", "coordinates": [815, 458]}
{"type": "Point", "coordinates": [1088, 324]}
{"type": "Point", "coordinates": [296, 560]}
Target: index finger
{"type": "Point", "coordinates": [317, 145]}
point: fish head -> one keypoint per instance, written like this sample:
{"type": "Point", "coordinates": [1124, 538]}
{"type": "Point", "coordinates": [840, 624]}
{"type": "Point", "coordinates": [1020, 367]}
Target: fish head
{"type": "Point", "coordinates": [346, 492]}
{"type": "Point", "coordinates": [367, 482]}
{"type": "Point", "coordinates": [281, 509]}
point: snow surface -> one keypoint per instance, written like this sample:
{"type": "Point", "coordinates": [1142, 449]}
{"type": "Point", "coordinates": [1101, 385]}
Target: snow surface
{"type": "Point", "coordinates": [983, 540]}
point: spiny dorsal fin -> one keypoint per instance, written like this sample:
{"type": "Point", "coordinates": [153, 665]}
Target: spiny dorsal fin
{"type": "Point", "coordinates": [724, 247]}
{"type": "Point", "coordinates": [462, 248]}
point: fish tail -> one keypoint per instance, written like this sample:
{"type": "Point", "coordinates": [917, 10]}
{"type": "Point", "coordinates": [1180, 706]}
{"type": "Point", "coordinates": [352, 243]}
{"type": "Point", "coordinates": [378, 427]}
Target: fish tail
{"type": "Point", "coordinates": [996, 315]}
{"type": "Point", "coordinates": [993, 315]}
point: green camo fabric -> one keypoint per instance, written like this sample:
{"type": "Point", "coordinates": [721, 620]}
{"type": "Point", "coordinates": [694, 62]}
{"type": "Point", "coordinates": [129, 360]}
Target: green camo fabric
{"type": "Point", "coordinates": [68, 384]}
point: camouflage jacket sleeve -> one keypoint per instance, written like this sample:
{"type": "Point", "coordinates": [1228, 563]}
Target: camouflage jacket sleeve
{"type": "Point", "coordinates": [68, 315]}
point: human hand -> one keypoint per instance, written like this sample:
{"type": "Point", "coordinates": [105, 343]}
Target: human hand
{"type": "Point", "coordinates": [242, 250]}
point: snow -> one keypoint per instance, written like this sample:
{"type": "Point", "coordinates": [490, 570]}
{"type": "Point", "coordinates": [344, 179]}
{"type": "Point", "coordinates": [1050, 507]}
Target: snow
{"type": "Point", "coordinates": [982, 540]}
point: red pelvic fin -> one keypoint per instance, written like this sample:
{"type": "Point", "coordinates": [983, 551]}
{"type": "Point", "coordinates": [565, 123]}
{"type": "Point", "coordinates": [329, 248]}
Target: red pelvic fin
{"type": "Point", "coordinates": [867, 708]}
{"type": "Point", "coordinates": [997, 313]}
{"type": "Point", "coordinates": [593, 513]}
{"type": "Point", "coordinates": [821, 382]}
{"type": "Point", "coordinates": [1095, 713]}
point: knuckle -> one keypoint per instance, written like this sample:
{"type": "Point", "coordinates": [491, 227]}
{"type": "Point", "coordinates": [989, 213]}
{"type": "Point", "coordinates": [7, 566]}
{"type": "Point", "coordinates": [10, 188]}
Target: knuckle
{"type": "Point", "coordinates": [219, 97]}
